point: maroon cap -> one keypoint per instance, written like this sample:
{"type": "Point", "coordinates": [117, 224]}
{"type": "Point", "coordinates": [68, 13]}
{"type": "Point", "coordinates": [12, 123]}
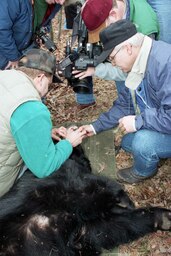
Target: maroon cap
{"type": "Point", "coordinates": [95, 12]}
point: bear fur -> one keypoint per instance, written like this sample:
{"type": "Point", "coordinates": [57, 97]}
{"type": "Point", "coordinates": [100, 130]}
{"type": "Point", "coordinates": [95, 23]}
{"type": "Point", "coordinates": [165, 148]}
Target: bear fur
{"type": "Point", "coordinates": [72, 213]}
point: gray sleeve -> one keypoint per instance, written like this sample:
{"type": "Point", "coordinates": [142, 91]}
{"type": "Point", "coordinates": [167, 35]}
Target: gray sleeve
{"type": "Point", "coordinates": [108, 72]}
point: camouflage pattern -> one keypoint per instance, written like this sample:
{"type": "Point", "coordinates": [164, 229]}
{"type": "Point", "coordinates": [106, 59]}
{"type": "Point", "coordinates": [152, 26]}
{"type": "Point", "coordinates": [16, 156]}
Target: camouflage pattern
{"type": "Point", "coordinates": [39, 59]}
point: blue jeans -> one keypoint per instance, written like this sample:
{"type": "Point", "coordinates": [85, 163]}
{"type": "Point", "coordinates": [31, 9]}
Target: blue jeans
{"type": "Point", "coordinates": [162, 9]}
{"type": "Point", "coordinates": [86, 98]}
{"type": "Point", "coordinates": [147, 147]}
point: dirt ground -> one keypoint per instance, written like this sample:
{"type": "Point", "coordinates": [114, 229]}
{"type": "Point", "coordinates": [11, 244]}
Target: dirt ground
{"type": "Point", "coordinates": [156, 191]}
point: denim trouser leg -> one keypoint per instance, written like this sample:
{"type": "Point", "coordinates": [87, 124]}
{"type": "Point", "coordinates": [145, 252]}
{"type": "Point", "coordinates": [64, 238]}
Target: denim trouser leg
{"type": "Point", "coordinates": [147, 147]}
{"type": "Point", "coordinates": [86, 98]}
{"type": "Point", "coordinates": [162, 9]}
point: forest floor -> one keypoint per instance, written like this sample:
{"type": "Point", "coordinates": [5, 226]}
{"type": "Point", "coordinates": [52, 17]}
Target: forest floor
{"type": "Point", "coordinates": [155, 192]}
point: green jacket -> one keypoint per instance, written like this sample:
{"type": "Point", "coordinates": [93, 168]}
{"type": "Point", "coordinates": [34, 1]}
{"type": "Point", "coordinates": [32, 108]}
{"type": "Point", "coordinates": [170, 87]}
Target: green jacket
{"type": "Point", "coordinates": [143, 16]}
{"type": "Point", "coordinates": [40, 8]}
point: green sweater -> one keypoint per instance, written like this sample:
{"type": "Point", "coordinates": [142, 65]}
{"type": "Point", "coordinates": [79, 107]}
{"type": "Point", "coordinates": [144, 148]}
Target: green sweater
{"type": "Point", "coordinates": [31, 127]}
{"type": "Point", "coordinates": [40, 8]}
{"type": "Point", "coordinates": [144, 17]}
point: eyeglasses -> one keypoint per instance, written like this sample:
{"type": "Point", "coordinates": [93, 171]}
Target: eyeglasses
{"type": "Point", "coordinates": [111, 58]}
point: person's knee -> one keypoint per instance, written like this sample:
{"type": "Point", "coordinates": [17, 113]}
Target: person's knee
{"type": "Point", "coordinates": [143, 144]}
{"type": "Point", "coordinates": [126, 142]}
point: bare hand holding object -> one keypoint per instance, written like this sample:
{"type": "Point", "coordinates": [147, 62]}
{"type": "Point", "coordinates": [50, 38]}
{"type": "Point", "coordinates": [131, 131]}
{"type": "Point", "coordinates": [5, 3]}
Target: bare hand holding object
{"type": "Point", "coordinates": [82, 74]}
{"type": "Point", "coordinates": [127, 124]}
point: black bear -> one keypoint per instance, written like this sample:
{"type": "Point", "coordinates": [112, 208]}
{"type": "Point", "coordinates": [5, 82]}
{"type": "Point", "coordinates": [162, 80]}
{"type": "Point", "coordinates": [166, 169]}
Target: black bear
{"type": "Point", "coordinates": [72, 213]}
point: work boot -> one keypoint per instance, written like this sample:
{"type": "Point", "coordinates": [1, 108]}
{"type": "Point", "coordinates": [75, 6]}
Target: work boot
{"type": "Point", "coordinates": [127, 175]}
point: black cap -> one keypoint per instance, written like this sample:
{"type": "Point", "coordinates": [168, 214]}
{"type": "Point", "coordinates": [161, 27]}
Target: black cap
{"type": "Point", "coordinates": [113, 35]}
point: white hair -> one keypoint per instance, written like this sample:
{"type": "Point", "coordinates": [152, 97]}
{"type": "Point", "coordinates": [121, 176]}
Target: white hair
{"type": "Point", "coordinates": [135, 40]}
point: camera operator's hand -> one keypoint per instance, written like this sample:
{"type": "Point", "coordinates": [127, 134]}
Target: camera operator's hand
{"type": "Point", "coordinates": [75, 137]}
{"type": "Point", "coordinates": [89, 72]}
{"type": "Point", "coordinates": [88, 129]}
{"type": "Point", "coordinates": [12, 64]}
{"type": "Point", "coordinates": [59, 133]}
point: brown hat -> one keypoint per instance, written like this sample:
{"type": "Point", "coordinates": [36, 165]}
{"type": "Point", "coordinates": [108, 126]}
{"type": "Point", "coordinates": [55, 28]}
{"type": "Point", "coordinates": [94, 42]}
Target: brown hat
{"type": "Point", "coordinates": [94, 14]}
{"type": "Point", "coordinates": [41, 60]}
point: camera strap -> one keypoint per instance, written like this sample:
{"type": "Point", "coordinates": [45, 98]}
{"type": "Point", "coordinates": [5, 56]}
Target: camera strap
{"type": "Point", "coordinates": [75, 29]}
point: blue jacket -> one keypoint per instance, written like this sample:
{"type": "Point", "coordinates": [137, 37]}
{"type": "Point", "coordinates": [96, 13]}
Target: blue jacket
{"type": "Point", "coordinates": [16, 28]}
{"type": "Point", "coordinates": [153, 96]}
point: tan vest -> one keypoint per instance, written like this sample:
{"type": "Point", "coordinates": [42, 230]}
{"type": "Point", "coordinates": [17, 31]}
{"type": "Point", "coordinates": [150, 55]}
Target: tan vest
{"type": "Point", "coordinates": [15, 89]}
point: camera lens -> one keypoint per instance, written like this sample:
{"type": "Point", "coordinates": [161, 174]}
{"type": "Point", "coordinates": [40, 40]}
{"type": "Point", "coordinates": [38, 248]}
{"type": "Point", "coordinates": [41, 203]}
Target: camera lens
{"type": "Point", "coordinates": [81, 86]}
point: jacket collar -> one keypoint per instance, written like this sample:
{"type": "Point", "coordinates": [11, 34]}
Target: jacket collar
{"type": "Point", "coordinates": [136, 75]}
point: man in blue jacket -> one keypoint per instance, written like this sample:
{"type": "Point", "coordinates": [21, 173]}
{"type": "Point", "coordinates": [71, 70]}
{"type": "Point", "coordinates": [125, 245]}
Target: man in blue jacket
{"type": "Point", "coordinates": [143, 108]}
{"type": "Point", "coordinates": [17, 22]}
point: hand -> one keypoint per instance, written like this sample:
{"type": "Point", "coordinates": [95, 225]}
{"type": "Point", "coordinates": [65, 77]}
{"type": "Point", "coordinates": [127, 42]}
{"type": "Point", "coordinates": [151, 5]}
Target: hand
{"type": "Point", "coordinates": [61, 2]}
{"type": "Point", "coordinates": [127, 124]}
{"type": "Point", "coordinates": [72, 128]}
{"type": "Point", "coordinates": [89, 72]}
{"type": "Point", "coordinates": [88, 129]}
{"type": "Point", "coordinates": [75, 137]}
{"type": "Point", "coordinates": [58, 133]}
{"type": "Point", "coordinates": [12, 64]}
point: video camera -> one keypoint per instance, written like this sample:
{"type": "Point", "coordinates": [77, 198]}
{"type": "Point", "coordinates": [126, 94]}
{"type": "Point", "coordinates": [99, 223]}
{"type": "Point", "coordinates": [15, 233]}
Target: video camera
{"type": "Point", "coordinates": [42, 34]}
{"type": "Point", "coordinates": [80, 58]}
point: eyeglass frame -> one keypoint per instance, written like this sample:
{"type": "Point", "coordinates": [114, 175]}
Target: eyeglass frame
{"type": "Point", "coordinates": [113, 57]}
